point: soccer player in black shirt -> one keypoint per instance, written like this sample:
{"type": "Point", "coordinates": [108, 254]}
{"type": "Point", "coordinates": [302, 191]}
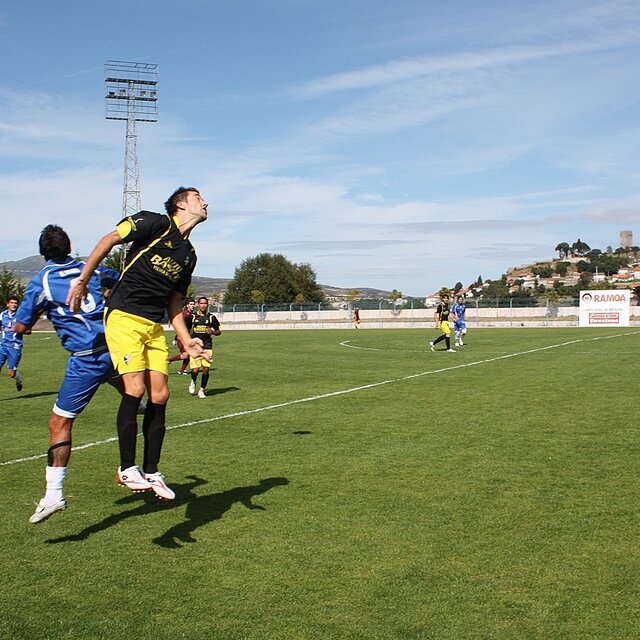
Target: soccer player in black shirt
{"type": "Point", "coordinates": [441, 316]}
{"type": "Point", "coordinates": [154, 279]}
{"type": "Point", "coordinates": [204, 325]}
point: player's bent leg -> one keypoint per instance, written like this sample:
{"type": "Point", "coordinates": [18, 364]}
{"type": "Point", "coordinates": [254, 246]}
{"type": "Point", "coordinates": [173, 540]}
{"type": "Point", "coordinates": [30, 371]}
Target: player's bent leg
{"type": "Point", "coordinates": [154, 429]}
{"type": "Point", "coordinates": [55, 475]}
{"type": "Point", "coordinates": [59, 439]}
{"type": "Point", "coordinates": [203, 383]}
{"type": "Point", "coordinates": [127, 421]}
{"type": "Point", "coordinates": [128, 474]}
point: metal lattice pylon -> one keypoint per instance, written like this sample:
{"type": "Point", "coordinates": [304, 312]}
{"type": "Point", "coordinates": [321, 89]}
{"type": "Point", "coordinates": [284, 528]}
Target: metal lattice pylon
{"type": "Point", "coordinates": [131, 190]}
{"type": "Point", "coordinates": [131, 95]}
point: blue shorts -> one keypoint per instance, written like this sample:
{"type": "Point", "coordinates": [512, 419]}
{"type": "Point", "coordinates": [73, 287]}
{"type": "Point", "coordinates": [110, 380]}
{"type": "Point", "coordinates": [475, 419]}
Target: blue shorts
{"type": "Point", "coordinates": [81, 381]}
{"type": "Point", "coordinates": [460, 324]}
{"type": "Point", "coordinates": [11, 354]}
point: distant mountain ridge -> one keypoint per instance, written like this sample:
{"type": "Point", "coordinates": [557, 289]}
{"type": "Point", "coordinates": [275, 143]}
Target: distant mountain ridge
{"type": "Point", "coordinates": [26, 268]}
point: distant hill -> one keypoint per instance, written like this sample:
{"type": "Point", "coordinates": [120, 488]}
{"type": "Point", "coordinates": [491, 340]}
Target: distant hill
{"type": "Point", "coordinates": [26, 268]}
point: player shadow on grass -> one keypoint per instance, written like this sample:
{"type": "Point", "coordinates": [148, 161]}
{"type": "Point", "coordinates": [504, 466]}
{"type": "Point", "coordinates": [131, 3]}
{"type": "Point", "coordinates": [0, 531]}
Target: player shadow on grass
{"type": "Point", "coordinates": [200, 509]}
{"type": "Point", "coordinates": [150, 504]}
{"type": "Point", "coordinates": [204, 509]}
{"type": "Point", "coordinates": [28, 396]}
{"type": "Point", "coordinates": [213, 391]}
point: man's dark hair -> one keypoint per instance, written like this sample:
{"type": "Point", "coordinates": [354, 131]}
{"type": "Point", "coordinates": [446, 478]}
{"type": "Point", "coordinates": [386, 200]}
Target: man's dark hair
{"type": "Point", "coordinates": [188, 300]}
{"type": "Point", "coordinates": [203, 298]}
{"type": "Point", "coordinates": [54, 243]}
{"type": "Point", "coordinates": [179, 195]}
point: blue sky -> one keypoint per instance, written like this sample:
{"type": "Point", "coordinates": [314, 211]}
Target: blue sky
{"type": "Point", "coordinates": [405, 144]}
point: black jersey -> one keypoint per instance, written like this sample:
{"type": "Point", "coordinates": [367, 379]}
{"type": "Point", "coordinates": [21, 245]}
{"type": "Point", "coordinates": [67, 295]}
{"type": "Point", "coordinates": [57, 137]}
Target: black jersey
{"type": "Point", "coordinates": [443, 311]}
{"type": "Point", "coordinates": [201, 327]}
{"type": "Point", "coordinates": [159, 262]}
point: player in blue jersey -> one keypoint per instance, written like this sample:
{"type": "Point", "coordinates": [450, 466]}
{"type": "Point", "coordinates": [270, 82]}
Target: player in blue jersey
{"type": "Point", "coordinates": [10, 342]}
{"type": "Point", "coordinates": [81, 333]}
{"type": "Point", "coordinates": [460, 325]}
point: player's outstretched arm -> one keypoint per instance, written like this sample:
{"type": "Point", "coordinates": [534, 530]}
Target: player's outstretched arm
{"type": "Point", "coordinates": [78, 290]}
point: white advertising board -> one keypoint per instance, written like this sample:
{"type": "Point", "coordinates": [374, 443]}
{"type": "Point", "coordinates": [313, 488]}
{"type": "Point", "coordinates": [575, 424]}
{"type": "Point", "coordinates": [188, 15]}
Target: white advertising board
{"type": "Point", "coordinates": [605, 308]}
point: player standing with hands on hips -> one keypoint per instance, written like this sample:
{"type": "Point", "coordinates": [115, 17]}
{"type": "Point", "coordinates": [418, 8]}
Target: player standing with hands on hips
{"type": "Point", "coordinates": [155, 278]}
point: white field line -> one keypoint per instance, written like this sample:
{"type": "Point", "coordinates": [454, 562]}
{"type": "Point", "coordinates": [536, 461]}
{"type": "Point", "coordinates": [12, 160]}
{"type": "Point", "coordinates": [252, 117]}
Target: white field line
{"type": "Point", "coordinates": [341, 392]}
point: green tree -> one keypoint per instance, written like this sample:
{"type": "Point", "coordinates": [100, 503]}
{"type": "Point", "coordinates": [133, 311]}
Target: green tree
{"type": "Point", "coordinates": [580, 248]}
{"type": "Point", "coordinates": [544, 272]}
{"type": "Point", "coordinates": [278, 279]}
{"type": "Point", "coordinates": [352, 295]}
{"type": "Point", "coordinates": [562, 268]}
{"type": "Point", "coordinates": [395, 295]}
{"type": "Point", "coordinates": [585, 280]}
{"type": "Point", "coordinates": [563, 249]}
{"type": "Point", "coordinates": [9, 286]}
{"type": "Point", "coordinates": [115, 259]}
{"type": "Point", "coordinates": [496, 289]}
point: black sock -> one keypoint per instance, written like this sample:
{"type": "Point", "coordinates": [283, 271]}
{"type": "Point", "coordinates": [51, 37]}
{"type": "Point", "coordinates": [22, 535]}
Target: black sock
{"type": "Point", "coordinates": [439, 339]}
{"type": "Point", "coordinates": [127, 423]}
{"type": "Point", "coordinates": [194, 376]}
{"type": "Point", "coordinates": [204, 381]}
{"type": "Point", "coordinates": [447, 341]}
{"type": "Point", "coordinates": [153, 430]}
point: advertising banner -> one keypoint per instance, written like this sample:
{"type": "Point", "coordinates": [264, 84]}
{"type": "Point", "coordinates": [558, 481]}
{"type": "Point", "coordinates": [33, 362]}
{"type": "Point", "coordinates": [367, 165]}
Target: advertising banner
{"type": "Point", "coordinates": [605, 308]}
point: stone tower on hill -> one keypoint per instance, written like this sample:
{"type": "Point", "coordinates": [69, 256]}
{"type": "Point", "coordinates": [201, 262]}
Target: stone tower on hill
{"type": "Point", "coordinates": [626, 239]}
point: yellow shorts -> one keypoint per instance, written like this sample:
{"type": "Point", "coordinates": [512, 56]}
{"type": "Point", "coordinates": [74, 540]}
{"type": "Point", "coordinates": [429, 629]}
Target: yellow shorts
{"type": "Point", "coordinates": [201, 363]}
{"type": "Point", "coordinates": [135, 343]}
{"type": "Point", "coordinates": [445, 328]}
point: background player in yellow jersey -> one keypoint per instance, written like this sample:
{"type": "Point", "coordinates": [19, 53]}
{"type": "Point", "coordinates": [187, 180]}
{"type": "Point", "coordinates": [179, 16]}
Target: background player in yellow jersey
{"type": "Point", "coordinates": [441, 317]}
{"type": "Point", "coordinates": [204, 325]}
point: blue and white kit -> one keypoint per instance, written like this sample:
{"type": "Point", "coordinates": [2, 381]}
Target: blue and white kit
{"type": "Point", "coordinates": [10, 341]}
{"type": "Point", "coordinates": [81, 333]}
{"type": "Point", "coordinates": [459, 310]}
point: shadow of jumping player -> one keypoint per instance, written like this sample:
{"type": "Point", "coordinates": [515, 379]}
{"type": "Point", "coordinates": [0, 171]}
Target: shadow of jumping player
{"type": "Point", "coordinates": [200, 509]}
{"type": "Point", "coordinates": [204, 509]}
{"type": "Point", "coordinates": [150, 504]}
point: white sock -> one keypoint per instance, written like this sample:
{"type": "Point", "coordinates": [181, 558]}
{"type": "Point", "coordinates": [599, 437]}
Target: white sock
{"type": "Point", "coordinates": [55, 481]}
{"type": "Point", "coordinates": [18, 377]}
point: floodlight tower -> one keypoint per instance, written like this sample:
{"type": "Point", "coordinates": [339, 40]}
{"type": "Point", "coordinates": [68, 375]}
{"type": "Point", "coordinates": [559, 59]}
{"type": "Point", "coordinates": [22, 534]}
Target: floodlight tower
{"type": "Point", "coordinates": [132, 95]}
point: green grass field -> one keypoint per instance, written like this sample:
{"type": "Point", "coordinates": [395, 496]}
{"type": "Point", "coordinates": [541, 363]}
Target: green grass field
{"type": "Point", "coordinates": [342, 485]}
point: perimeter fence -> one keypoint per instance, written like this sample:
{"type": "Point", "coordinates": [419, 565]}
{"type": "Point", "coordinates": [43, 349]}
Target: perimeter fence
{"type": "Point", "coordinates": [498, 312]}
